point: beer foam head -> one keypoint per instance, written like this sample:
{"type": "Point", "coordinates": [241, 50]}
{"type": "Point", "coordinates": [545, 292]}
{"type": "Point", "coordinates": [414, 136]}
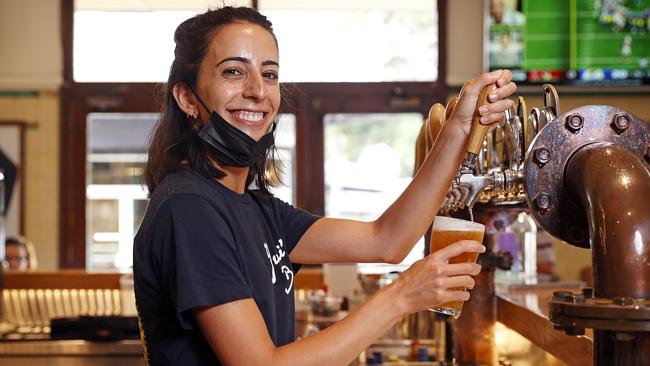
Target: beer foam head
{"type": "Point", "coordinates": [444, 223]}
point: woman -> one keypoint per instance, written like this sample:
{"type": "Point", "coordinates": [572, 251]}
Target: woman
{"type": "Point", "coordinates": [20, 254]}
{"type": "Point", "coordinates": [214, 261]}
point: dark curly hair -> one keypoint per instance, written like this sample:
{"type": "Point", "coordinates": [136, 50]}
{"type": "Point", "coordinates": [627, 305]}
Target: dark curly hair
{"type": "Point", "coordinates": [174, 140]}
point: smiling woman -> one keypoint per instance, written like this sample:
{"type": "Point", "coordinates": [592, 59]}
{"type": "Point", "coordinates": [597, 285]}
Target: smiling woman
{"type": "Point", "coordinates": [212, 142]}
{"type": "Point", "coordinates": [216, 254]}
{"type": "Point", "coordinates": [226, 84]}
{"type": "Point", "coordinates": [239, 79]}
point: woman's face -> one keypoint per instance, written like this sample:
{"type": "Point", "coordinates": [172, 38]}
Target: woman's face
{"type": "Point", "coordinates": [238, 78]}
{"type": "Point", "coordinates": [17, 257]}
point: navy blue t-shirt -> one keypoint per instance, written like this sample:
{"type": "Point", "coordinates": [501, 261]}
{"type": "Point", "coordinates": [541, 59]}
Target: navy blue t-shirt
{"type": "Point", "coordinates": [201, 244]}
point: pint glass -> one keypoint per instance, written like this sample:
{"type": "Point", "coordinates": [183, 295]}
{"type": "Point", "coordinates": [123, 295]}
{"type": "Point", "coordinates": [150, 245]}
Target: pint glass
{"type": "Point", "coordinates": [446, 231]}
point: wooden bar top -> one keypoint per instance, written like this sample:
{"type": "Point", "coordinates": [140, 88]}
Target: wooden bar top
{"type": "Point", "coordinates": [525, 310]}
{"type": "Point", "coordinates": [307, 278]}
{"type": "Point", "coordinates": [62, 279]}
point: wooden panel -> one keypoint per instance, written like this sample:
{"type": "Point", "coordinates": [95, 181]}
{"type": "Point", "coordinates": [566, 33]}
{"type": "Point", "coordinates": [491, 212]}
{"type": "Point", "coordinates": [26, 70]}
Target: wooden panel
{"type": "Point", "coordinates": [309, 279]}
{"type": "Point", "coordinates": [64, 279]}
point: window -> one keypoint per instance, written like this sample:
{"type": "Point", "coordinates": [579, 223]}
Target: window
{"type": "Point", "coordinates": [285, 142]}
{"type": "Point", "coordinates": [368, 163]}
{"type": "Point", "coordinates": [115, 197]}
{"type": "Point", "coordinates": [132, 41]}
{"type": "Point", "coordinates": [355, 41]}
{"type": "Point", "coordinates": [320, 41]}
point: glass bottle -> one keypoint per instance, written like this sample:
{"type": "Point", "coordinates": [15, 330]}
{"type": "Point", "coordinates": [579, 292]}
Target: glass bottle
{"type": "Point", "coordinates": [524, 231]}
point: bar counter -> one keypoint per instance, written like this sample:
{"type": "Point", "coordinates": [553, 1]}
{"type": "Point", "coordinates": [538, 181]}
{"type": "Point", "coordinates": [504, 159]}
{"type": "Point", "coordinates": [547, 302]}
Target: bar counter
{"type": "Point", "coordinates": [525, 310]}
{"type": "Point", "coordinates": [70, 353]}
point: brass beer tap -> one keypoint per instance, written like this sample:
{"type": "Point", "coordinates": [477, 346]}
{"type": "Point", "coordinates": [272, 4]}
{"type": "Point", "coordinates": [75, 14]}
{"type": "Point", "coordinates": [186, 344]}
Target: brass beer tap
{"type": "Point", "coordinates": [467, 185]}
{"type": "Point", "coordinates": [493, 170]}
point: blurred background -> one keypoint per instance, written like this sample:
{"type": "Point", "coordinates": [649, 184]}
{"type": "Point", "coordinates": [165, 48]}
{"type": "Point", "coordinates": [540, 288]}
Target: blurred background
{"type": "Point", "coordinates": [80, 83]}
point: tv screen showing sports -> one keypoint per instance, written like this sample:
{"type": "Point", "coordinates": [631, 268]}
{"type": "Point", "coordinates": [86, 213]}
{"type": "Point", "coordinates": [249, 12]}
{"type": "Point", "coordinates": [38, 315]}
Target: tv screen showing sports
{"type": "Point", "coordinates": [584, 42]}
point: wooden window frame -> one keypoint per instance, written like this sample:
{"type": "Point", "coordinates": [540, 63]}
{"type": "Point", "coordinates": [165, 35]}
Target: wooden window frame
{"type": "Point", "coordinates": [310, 102]}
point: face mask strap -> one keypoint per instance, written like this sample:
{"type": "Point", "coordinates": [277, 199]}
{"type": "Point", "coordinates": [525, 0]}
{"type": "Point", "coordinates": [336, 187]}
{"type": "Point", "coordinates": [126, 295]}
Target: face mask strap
{"type": "Point", "coordinates": [197, 97]}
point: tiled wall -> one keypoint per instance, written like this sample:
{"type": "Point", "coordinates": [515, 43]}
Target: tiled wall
{"type": "Point", "coordinates": [41, 177]}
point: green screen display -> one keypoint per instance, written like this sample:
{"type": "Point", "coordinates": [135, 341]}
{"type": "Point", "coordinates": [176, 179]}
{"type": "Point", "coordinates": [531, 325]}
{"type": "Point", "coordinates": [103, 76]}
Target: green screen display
{"type": "Point", "coordinates": [578, 41]}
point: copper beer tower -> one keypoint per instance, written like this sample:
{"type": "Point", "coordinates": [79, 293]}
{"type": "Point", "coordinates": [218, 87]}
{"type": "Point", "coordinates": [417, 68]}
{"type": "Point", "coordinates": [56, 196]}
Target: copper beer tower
{"type": "Point", "coordinates": [584, 175]}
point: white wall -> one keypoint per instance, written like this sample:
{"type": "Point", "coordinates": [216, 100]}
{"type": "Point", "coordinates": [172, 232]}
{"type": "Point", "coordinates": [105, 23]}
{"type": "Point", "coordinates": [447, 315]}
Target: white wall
{"type": "Point", "coordinates": [30, 45]}
{"type": "Point", "coordinates": [464, 40]}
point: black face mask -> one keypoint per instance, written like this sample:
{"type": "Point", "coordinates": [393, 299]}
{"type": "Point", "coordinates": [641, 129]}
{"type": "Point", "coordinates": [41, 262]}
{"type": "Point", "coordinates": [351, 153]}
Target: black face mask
{"type": "Point", "coordinates": [232, 146]}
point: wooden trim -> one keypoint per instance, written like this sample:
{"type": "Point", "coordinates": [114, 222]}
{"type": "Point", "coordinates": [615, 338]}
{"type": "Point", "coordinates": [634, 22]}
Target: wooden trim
{"type": "Point", "coordinates": [21, 173]}
{"type": "Point", "coordinates": [67, 38]}
{"type": "Point", "coordinates": [77, 100]}
{"type": "Point", "coordinates": [69, 215]}
{"type": "Point", "coordinates": [309, 157]}
{"type": "Point", "coordinates": [309, 279]}
{"type": "Point", "coordinates": [442, 47]}
{"type": "Point", "coordinates": [64, 279]}
{"type": "Point", "coordinates": [72, 217]}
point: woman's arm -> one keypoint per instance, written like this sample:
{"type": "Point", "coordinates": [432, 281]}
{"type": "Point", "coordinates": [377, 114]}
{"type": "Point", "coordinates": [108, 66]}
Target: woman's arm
{"type": "Point", "coordinates": [238, 335]}
{"type": "Point", "coordinates": [393, 234]}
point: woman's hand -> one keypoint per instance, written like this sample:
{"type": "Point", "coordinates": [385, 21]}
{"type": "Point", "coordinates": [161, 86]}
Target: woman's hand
{"type": "Point", "coordinates": [491, 112]}
{"type": "Point", "coordinates": [428, 281]}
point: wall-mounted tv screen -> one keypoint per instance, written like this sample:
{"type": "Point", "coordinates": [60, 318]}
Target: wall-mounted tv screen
{"type": "Point", "coordinates": [588, 42]}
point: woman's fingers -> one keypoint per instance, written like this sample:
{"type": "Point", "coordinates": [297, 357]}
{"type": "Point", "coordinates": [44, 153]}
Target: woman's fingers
{"type": "Point", "coordinates": [505, 78]}
{"type": "Point", "coordinates": [455, 282]}
{"type": "Point", "coordinates": [503, 92]}
{"type": "Point", "coordinates": [433, 280]}
{"type": "Point", "coordinates": [473, 87]}
{"type": "Point", "coordinates": [498, 100]}
{"type": "Point", "coordinates": [457, 248]}
{"type": "Point", "coordinates": [494, 112]}
{"type": "Point", "coordinates": [496, 107]}
{"type": "Point", "coordinates": [492, 77]}
{"type": "Point", "coordinates": [456, 269]}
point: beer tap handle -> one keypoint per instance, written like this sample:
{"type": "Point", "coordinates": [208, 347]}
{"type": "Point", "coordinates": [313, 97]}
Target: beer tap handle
{"type": "Point", "coordinates": [478, 131]}
{"type": "Point", "coordinates": [420, 148]}
{"type": "Point", "coordinates": [533, 117]}
{"type": "Point", "coordinates": [527, 125]}
{"type": "Point", "coordinates": [551, 99]}
{"type": "Point", "coordinates": [449, 109]}
{"type": "Point", "coordinates": [429, 131]}
{"type": "Point", "coordinates": [436, 121]}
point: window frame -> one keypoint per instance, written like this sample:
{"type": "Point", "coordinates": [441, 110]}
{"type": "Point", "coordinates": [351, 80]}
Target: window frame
{"type": "Point", "coordinates": [309, 102]}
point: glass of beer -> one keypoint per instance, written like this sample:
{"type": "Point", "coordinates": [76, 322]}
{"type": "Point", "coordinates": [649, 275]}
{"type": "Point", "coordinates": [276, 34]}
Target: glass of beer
{"type": "Point", "coordinates": [446, 231]}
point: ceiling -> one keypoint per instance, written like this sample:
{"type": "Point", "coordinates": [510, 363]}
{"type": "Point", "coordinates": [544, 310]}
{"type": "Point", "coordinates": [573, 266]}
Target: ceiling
{"type": "Point", "coordinates": [151, 5]}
